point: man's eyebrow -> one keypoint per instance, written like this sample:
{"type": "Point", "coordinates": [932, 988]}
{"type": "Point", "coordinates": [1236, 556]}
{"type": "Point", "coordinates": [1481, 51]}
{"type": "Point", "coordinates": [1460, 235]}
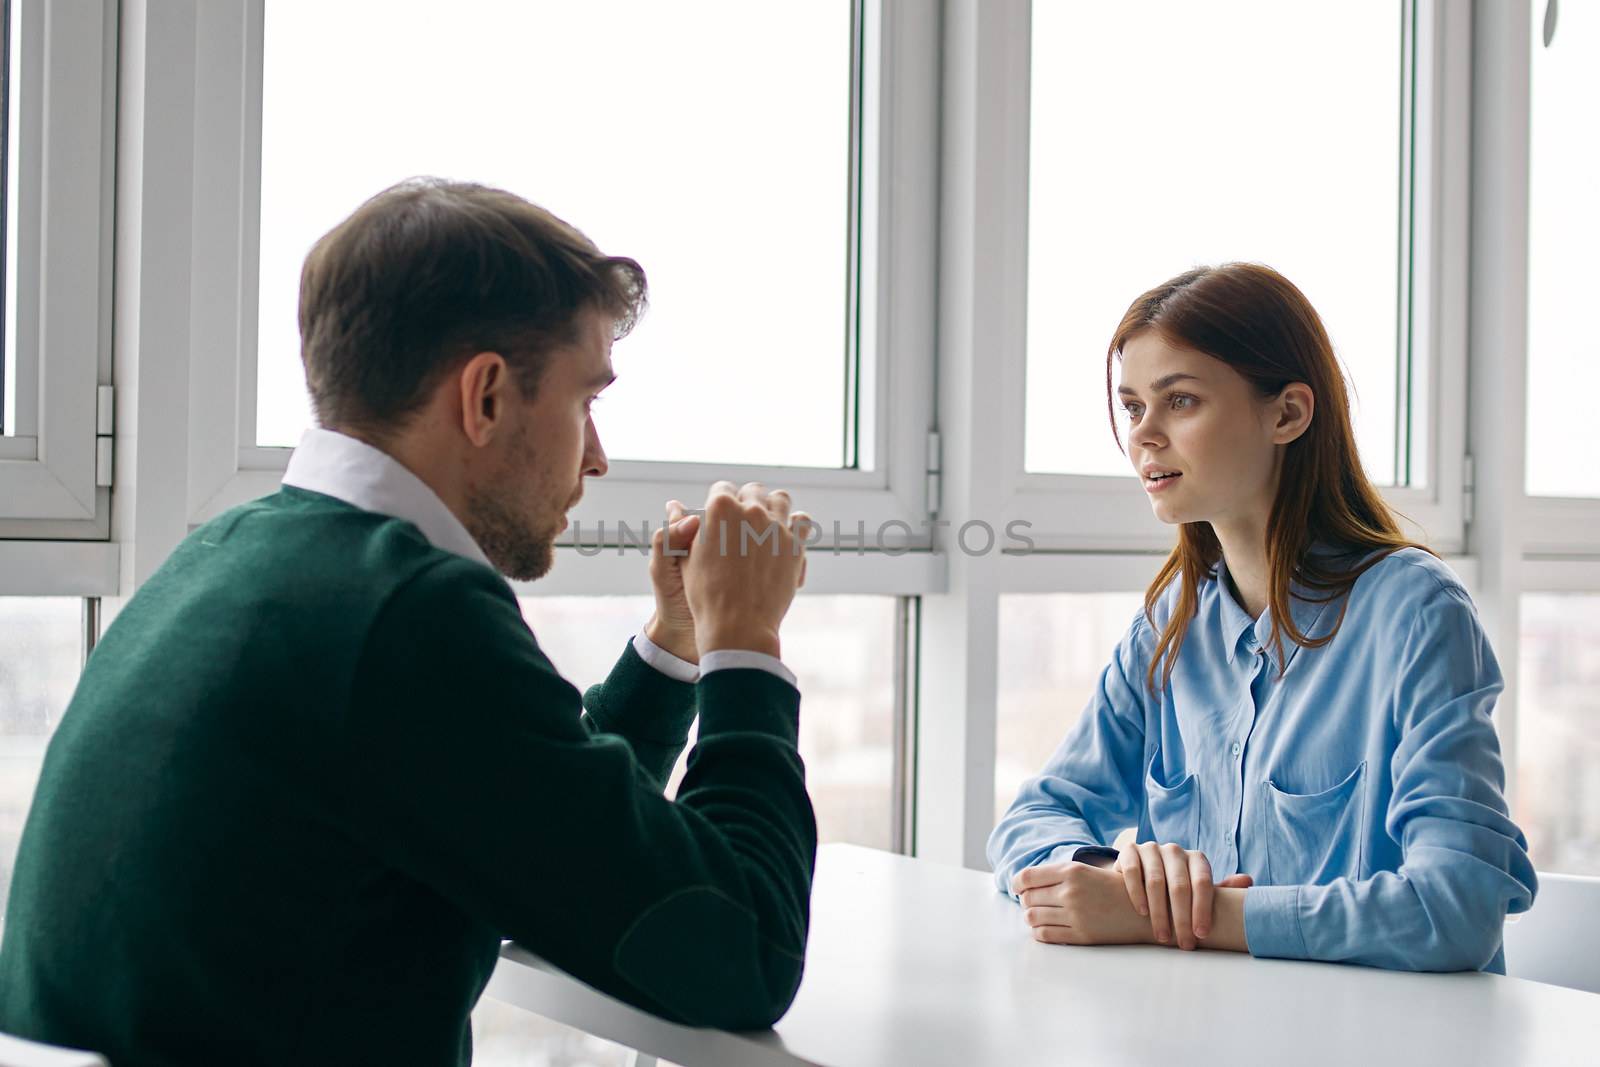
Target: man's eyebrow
{"type": "Point", "coordinates": [1159, 384]}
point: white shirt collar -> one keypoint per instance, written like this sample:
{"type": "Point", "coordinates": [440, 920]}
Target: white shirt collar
{"type": "Point", "coordinates": [339, 466]}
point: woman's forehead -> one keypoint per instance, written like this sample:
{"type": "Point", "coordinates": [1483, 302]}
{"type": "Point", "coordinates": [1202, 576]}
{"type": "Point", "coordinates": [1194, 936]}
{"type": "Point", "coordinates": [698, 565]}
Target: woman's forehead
{"type": "Point", "coordinates": [1150, 356]}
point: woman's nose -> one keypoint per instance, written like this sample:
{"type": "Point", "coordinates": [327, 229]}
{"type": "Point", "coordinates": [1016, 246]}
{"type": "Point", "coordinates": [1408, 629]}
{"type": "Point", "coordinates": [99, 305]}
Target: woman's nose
{"type": "Point", "coordinates": [1148, 434]}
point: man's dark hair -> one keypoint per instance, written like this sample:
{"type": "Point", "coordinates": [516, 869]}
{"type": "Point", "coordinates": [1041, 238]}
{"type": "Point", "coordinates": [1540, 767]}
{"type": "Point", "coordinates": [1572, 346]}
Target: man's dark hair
{"type": "Point", "coordinates": [428, 273]}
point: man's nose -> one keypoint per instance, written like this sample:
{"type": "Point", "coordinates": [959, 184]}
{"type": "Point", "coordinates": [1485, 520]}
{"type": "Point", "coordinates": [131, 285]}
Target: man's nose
{"type": "Point", "coordinates": [594, 454]}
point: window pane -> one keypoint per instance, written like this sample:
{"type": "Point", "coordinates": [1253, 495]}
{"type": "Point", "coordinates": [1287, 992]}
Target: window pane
{"type": "Point", "coordinates": [840, 647]}
{"type": "Point", "coordinates": [9, 22]}
{"type": "Point", "coordinates": [1563, 229]}
{"type": "Point", "coordinates": [1052, 649]}
{"type": "Point", "coordinates": [1557, 801]}
{"type": "Point", "coordinates": [1150, 156]}
{"type": "Point", "coordinates": [842, 650]}
{"type": "Point", "coordinates": [720, 162]}
{"type": "Point", "coordinates": [41, 653]}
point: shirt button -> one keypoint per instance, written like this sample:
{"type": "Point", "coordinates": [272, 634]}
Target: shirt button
{"type": "Point", "coordinates": [1235, 750]}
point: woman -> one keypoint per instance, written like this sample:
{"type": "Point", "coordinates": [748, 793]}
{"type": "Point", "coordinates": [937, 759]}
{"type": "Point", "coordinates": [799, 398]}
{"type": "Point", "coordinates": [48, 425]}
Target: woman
{"type": "Point", "coordinates": [1297, 723]}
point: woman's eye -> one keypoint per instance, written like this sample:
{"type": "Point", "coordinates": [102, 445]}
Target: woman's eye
{"type": "Point", "coordinates": [1181, 402]}
{"type": "Point", "coordinates": [1133, 410]}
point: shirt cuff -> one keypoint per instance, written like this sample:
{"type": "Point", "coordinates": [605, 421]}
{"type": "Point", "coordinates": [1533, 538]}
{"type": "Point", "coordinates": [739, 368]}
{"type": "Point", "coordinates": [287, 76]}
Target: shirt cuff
{"type": "Point", "coordinates": [674, 667]}
{"type": "Point", "coordinates": [1272, 922]}
{"type": "Point", "coordinates": [727, 659]}
{"type": "Point", "coordinates": [680, 669]}
{"type": "Point", "coordinates": [1089, 853]}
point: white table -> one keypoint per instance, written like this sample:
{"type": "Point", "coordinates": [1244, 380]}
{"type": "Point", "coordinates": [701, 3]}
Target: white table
{"type": "Point", "coordinates": [911, 962]}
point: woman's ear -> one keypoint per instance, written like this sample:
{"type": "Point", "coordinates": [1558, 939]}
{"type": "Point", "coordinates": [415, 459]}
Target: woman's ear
{"type": "Point", "coordinates": [1295, 405]}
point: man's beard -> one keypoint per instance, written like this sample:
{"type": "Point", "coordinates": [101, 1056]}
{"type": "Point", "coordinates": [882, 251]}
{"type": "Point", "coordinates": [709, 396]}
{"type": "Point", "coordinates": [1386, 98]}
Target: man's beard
{"type": "Point", "coordinates": [516, 551]}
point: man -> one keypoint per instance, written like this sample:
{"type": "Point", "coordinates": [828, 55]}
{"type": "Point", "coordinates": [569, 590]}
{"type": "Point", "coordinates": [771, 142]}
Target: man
{"type": "Point", "coordinates": [318, 767]}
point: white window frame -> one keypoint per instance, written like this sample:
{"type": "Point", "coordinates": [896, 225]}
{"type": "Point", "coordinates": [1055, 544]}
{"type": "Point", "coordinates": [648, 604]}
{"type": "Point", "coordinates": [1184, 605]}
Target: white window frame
{"type": "Point", "coordinates": [1098, 513]}
{"type": "Point", "coordinates": [1524, 544]}
{"type": "Point", "coordinates": [898, 216]}
{"type": "Point", "coordinates": [1096, 534]}
{"type": "Point", "coordinates": [53, 478]}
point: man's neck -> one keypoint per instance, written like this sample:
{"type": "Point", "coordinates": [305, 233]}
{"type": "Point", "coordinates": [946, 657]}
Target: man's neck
{"type": "Point", "coordinates": [418, 451]}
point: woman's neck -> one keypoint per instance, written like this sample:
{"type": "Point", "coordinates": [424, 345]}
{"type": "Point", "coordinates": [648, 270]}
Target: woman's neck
{"type": "Point", "coordinates": [1244, 549]}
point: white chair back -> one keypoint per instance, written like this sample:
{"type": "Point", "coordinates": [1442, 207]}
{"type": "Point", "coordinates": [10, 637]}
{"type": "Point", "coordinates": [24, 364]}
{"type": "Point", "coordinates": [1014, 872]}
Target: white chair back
{"type": "Point", "coordinates": [1557, 941]}
{"type": "Point", "coordinates": [15, 1052]}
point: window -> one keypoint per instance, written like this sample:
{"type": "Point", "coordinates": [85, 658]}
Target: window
{"type": "Point", "coordinates": [1557, 801]}
{"type": "Point", "coordinates": [1053, 647]}
{"type": "Point", "coordinates": [56, 348]}
{"type": "Point", "coordinates": [1563, 227]}
{"type": "Point", "coordinates": [8, 246]}
{"type": "Point", "coordinates": [1149, 156]}
{"type": "Point", "coordinates": [842, 650]}
{"type": "Point", "coordinates": [723, 163]}
{"type": "Point", "coordinates": [43, 642]}
{"type": "Point", "coordinates": [841, 647]}
{"type": "Point", "coordinates": [787, 225]}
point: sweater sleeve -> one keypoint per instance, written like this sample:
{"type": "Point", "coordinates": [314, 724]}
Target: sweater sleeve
{"type": "Point", "coordinates": [1091, 788]}
{"type": "Point", "coordinates": [473, 774]}
{"type": "Point", "coordinates": [645, 708]}
{"type": "Point", "coordinates": [1465, 863]}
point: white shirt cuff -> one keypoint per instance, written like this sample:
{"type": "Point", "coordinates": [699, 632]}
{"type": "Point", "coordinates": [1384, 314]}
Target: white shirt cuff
{"type": "Point", "coordinates": [682, 670]}
{"type": "Point", "coordinates": [725, 659]}
{"type": "Point", "coordinates": [674, 667]}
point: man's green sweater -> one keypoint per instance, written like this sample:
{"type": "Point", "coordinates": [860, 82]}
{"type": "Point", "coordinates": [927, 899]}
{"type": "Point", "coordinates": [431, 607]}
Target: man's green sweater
{"type": "Point", "coordinates": [316, 771]}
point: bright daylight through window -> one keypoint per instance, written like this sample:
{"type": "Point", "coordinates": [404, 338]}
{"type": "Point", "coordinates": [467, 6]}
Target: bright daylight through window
{"type": "Point", "coordinates": [842, 650]}
{"type": "Point", "coordinates": [720, 163]}
{"type": "Point", "coordinates": [1053, 648]}
{"type": "Point", "coordinates": [1558, 732]}
{"type": "Point", "coordinates": [1149, 156]}
{"type": "Point", "coordinates": [1563, 230]}
{"type": "Point", "coordinates": [42, 642]}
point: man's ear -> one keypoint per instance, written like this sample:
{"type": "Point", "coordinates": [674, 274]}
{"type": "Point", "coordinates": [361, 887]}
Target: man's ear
{"type": "Point", "coordinates": [1295, 406]}
{"type": "Point", "coordinates": [485, 387]}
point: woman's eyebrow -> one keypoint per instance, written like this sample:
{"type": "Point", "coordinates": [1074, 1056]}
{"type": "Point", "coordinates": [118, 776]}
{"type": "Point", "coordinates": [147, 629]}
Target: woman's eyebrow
{"type": "Point", "coordinates": [1159, 384]}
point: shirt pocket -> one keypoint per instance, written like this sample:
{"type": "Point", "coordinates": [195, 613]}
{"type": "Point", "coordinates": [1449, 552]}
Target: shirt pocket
{"type": "Point", "coordinates": [1171, 808]}
{"type": "Point", "coordinates": [1313, 838]}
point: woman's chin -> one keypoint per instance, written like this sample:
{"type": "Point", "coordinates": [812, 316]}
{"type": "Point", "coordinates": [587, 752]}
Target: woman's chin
{"type": "Point", "coordinates": [1168, 515]}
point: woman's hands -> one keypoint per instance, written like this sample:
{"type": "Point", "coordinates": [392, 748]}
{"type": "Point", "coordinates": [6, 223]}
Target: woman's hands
{"type": "Point", "coordinates": [1173, 887]}
{"type": "Point", "coordinates": [1076, 904]}
{"type": "Point", "coordinates": [1150, 890]}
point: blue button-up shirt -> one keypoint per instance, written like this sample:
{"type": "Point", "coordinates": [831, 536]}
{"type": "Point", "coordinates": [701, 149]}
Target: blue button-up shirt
{"type": "Point", "coordinates": [1362, 789]}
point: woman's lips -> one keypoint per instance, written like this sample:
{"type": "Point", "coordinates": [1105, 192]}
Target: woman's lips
{"type": "Point", "coordinates": [1159, 485]}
